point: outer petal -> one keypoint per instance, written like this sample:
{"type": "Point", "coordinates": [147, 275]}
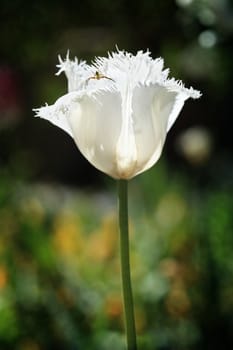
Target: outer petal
{"type": "Point", "coordinates": [58, 112]}
{"type": "Point", "coordinates": [96, 124]}
{"type": "Point", "coordinates": [177, 106]}
{"type": "Point", "coordinates": [151, 109]}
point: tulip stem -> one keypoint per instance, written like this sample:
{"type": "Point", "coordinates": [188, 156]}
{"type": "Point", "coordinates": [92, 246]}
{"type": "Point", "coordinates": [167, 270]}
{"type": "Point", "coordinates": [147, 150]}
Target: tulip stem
{"type": "Point", "coordinates": [125, 265]}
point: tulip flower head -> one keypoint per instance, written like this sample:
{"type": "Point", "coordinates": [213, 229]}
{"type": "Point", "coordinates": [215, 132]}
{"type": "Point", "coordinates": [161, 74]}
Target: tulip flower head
{"type": "Point", "coordinates": [118, 110]}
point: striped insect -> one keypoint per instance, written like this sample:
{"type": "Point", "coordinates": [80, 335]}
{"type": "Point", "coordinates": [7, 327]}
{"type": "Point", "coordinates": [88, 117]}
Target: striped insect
{"type": "Point", "coordinates": [99, 76]}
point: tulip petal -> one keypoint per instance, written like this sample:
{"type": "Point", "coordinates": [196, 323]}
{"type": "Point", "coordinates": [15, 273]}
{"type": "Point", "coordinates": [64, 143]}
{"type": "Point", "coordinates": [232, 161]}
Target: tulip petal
{"type": "Point", "coordinates": [58, 112]}
{"type": "Point", "coordinates": [96, 123]}
{"type": "Point", "coordinates": [151, 110]}
{"type": "Point", "coordinates": [177, 106]}
{"type": "Point", "coordinates": [126, 151]}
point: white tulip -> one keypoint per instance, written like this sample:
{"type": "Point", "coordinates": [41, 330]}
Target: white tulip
{"type": "Point", "coordinates": [118, 110]}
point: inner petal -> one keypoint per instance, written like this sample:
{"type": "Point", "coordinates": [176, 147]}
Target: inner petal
{"type": "Point", "coordinates": [96, 125]}
{"type": "Point", "coordinates": [126, 151]}
{"type": "Point", "coordinates": [151, 110]}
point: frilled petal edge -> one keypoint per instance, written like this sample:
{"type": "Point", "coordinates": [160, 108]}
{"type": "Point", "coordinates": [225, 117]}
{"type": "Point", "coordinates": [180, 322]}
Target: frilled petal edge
{"type": "Point", "coordinates": [57, 113]}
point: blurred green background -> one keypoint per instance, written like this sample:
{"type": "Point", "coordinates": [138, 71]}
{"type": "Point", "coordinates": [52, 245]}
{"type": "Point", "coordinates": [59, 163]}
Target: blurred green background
{"type": "Point", "coordinates": [59, 260]}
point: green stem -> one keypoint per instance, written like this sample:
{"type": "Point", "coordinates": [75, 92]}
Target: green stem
{"type": "Point", "coordinates": [125, 265]}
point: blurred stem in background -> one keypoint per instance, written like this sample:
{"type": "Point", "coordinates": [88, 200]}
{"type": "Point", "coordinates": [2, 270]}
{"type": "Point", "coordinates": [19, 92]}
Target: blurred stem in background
{"type": "Point", "coordinates": [125, 265]}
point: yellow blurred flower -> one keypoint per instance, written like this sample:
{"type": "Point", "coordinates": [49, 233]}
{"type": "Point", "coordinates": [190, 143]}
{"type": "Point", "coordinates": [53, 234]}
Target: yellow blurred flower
{"type": "Point", "coordinates": [68, 238]}
{"type": "Point", "coordinates": [102, 243]}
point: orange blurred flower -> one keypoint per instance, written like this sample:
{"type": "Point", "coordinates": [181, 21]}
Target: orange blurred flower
{"type": "Point", "coordinates": [113, 306]}
{"type": "Point", "coordinates": [3, 277]}
{"type": "Point", "coordinates": [178, 303]}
